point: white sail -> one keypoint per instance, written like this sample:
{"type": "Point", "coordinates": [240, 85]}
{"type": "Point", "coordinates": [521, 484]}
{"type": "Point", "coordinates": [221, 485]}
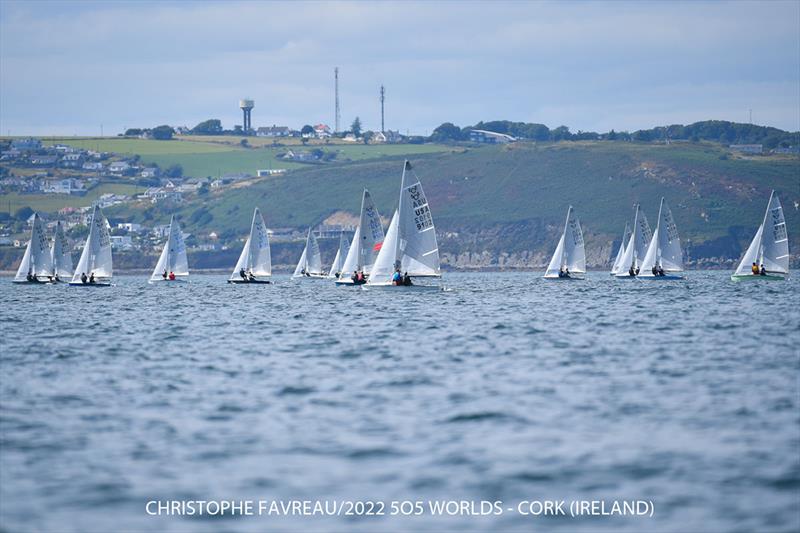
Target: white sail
{"type": "Point", "coordinates": [570, 253]}
{"type": "Point", "coordinates": [256, 255]}
{"type": "Point", "coordinates": [96, 255]}
{"type": "Point", "coordinates": [341, 253]}
{"type": "Point", "coordinates": [557, 261]}
{"type": "Point", "coordinates": [774, 240]}
{"type": "Point", "coordinates": [664, 250]}
{"type": "Point", "coordinates": [311, 260]}
{"type": "Point", "coordinates": [371, 236]}
{"type": "Point", "coordinates": [61, 256]}
{"type": "Point", "coordinates": [770, 245]}
{"type": "Point", "coordinates": [173, 257]}
{"type": "Point", "coordinates": [625, 236]}
{"type": "Point", "coordinates": [384, 266]}
{"type": "Point", "coordinates": [413, 248]}
{"type": "Point", "coordinates": [350, 263]}
{"type": "Point", "coordinates": [301, 265]}
{"type": "Point", "coordinates": [37, 259]}
{"type": "Point", "coordinates": [636, 249]}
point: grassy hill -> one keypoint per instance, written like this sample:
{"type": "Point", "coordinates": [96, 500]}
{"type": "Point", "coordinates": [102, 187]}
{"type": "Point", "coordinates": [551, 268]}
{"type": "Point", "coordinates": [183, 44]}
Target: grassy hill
{"type": "Point", "coordinates": [512, 199]}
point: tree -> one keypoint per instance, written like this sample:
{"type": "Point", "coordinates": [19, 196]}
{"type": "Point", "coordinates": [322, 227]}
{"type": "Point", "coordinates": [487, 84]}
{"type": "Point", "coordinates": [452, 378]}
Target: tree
{"type": "Point", "coordinates": [355, 127]}
{"type": "Point", "coordinates": [133, 132]}
{"type": "Point", "coordinates": [23, 213]}
{"type": "Point", "coordinates": [367, 136]}
{"type": "Point", "coordinates": [307, 130]}
{"type": "Point", "coordinates": [162, 133]}
{"type": "Point", "coordinates": [561, 133]}
{"type": "Point", "coordinates": [208, 127]}
{"type": "Point", "coordinates": [447, 132]}
{"type": "Point", "coordinates": [174, 171]}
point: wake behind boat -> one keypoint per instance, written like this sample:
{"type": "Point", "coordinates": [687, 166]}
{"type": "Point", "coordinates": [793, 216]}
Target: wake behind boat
{"type": "Point", "coordinates": [569, 258]}
{"type": "Point", "coordinates": [367, 243]}
{"type": "Point", "coordinates": [172, 264]}
{"type": "Point", "coordinates": [37, 263]}
{"type": "Point", "coordinates": [410, 249]}
{"type": "Point", "coordinates": [767, 257]}
{"type": "Point", "coordinates": [255, 261]}
{"type": "Point", "coordinates": [664, 258]}
{"type": "Point", "coordinates": [95, 265]}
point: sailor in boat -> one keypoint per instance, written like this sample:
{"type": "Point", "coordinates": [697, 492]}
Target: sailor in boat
{"type": "Point", "coordinates": [91, 278]}
{"type": "Point", "coordinates": [243, 274]}
{"type": "Point", "coordinates": [632, 271]}
{"type": "Point", "coordinates": [762, 272]}
{"type": "Point", "coordinates": [754, 269]}
{"type": "Point", "coordinates": [84, 279]}
{"type": "Point", "coordinates": [172, 276]}
{"type": "Point", "coordinates": [397, 278]}
{"type": "Point", "coordinates": [250, 276]}
{"type": "Point", "coordinates": [407, 280]}
{"type": "Point", "coordinates": [563, 272]}
{"type": "Point", "coordinates": [164, 275]}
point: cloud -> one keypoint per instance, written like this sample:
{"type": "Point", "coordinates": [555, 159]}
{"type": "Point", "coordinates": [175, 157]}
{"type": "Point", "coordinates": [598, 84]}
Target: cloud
{"type": "Point", "coordinates": [590, 65]}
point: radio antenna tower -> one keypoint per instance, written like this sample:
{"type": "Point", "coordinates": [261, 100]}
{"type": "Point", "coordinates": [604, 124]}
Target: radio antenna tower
{"type": "Point", "coordinates": [383, 97]}
{"type": "Point", "coordinates": [338, 117]}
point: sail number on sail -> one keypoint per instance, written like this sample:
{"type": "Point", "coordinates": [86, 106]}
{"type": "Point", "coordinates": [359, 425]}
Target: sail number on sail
{"type": "Point", "coordinates": [422, 215]}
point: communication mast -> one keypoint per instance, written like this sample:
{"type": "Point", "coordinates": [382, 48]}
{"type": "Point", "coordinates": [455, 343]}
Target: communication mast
{"type": "Point", "coordinates": [338, 117]}
{"type": "Point", "coordinates": [383, 97]}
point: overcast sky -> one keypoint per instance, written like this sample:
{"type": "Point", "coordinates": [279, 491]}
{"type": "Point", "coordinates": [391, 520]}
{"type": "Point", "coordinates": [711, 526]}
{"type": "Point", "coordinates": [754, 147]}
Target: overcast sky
{"type": "Point", "coordinates": [68, 67]}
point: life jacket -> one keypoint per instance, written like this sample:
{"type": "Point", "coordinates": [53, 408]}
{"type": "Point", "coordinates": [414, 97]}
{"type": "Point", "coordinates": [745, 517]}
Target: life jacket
{"type": "Point", "coordinates": [172, 276]}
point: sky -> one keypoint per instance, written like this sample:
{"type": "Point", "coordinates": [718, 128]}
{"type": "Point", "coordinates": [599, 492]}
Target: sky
{"type": "Point", "coordinates": [72, 68]}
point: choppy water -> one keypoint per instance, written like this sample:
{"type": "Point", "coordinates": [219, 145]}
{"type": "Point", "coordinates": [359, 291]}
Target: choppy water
{"type": "Point", "coordinates": [507, 388]}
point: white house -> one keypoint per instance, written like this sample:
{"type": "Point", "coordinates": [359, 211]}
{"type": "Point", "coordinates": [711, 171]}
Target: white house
{"type": "Point", "coordinates": [150, 172]}
{"type": "Point", "coordinates": [130, 227]}
{"type": "Point", "coordinates": [122, 242]}
{"type": "Point", "coordinates": [322, 131]}
{"type": "Point", "coordinates": [490, 137]}
{"type": "Point", "coordinates": [273, 131]}
{"type": "Point", "coordinates": [119, 167]}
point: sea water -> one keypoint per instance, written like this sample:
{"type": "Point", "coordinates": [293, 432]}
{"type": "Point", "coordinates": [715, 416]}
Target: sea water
{"type": "Point", "coordinates": [504, 388]}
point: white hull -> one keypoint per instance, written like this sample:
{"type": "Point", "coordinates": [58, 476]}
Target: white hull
{"type": "Point", "coordinates": [754, 277]}
{"type": "Point", "coordinates": [162, 280]}
{"type": "Point", "coordinates": [311, 276]}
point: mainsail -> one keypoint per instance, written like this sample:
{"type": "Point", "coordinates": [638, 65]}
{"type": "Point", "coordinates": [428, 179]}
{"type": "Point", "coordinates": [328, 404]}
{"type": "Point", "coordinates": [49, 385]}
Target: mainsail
{"type": "Point", "coordinates": [311, 260]}
{"type": "Point", "coordinates": [96, 255]}
{"type": "Point", "coordinates": [770, 246]}
{"type": "Point", "coordinates": [61, 256]}
{"type": "Point", "coordinates": [618, 261]}
{"type": "Point", "coordinates": [636, 248]}
{"type": "Point", "coordinates": [664, 250]}
{"type": "Point", "coordinates": [570, 253]}
{"type": "Point", "coordinates": [367, 240]}
{"type": "Point", "coordinates": [410, 243]}
{"type": "Point", "coordinates": [341, 254]}
{"type": "Point", "coordinates": [37, 259]}
{"type": "Point", "coordinates": [255, 257]}
{"type": "Point", "coordinates": [173, 256]}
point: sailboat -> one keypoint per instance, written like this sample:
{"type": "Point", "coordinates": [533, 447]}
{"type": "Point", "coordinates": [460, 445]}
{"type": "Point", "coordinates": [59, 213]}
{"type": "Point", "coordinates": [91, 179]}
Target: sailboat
{"type": "Point", "coordinates": [635, 250]}
{"type": "Point", "coordinates": [570, 256]}
{"type": "Point", "coordinates": [663, 257]}
{"type": "Point", "coordinates": [172, 262]}
{"type": "Point", "coordinates": [410, 246]}
{"type": "Point", "coordinates": [37, 260]}
{"type": "Point", "coordinates": [255, 261]}
{"type": "Point", "coordinates": [338, 261]}
{"type": "Point", "coordinates": [769, 248]}
{"type": "Point", "coordinates": [621, 252]}
{"type": "Point", "coordinates": [60, 254]}
{"type": "Point", "coordinates": [367, 242]}
{"type": "Point", "coordinates": [310, 264]}
{"type": "Point", "coordinates": [95, 267]}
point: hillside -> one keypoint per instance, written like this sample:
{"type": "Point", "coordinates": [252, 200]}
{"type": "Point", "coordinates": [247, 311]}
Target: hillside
{"type": "Point", "coordinates": [504, 205]}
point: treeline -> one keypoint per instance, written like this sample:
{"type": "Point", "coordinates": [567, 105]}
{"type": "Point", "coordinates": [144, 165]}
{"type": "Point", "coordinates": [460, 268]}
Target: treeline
{"type": "Point", "coordinates": [710, 130]}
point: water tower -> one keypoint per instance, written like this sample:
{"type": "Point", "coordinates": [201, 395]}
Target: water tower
{"type": "Point", "coordinates": [247, 106]}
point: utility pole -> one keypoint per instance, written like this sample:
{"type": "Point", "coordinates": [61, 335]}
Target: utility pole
{"type": "Point", "coordinates": [338, 117]}
{"type": "Point", "coordinates": [383, 97]}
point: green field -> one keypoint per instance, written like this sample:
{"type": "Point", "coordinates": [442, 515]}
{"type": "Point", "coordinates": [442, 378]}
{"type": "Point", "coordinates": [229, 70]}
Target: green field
{"type": "Point", "coordinates": [50, 203]}
{"type": "Point", "coordinates": [215, 156]}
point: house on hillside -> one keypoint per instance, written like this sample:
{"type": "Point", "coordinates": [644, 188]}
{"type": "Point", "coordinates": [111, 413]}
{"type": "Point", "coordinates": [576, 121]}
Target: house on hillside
{"type": "Point", "coordinates": [44, 160]}
{"type": "Point", "coordinates": [322, 131]}
{"type": "Point", "coordinates": [63, 186]}
{"type": "Point", "coordinates": [26, 144]}
{"type": "Point", "coordinates": [72, 160]}
{"type": "Point", "coordinates": [150, 172]}
{"type": "Point", "coordinates": [490, 137]}
{"type": "Point", "coordinates": [747, 148]}
{"type": "Point", "coordinates": [92, 165]}
{"type": "Point", "coordinates": [119, 168]}
{"type": "Point", "coordinates": [273, 131]}
{"type": "Point", "coordinates": [160, 194]}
